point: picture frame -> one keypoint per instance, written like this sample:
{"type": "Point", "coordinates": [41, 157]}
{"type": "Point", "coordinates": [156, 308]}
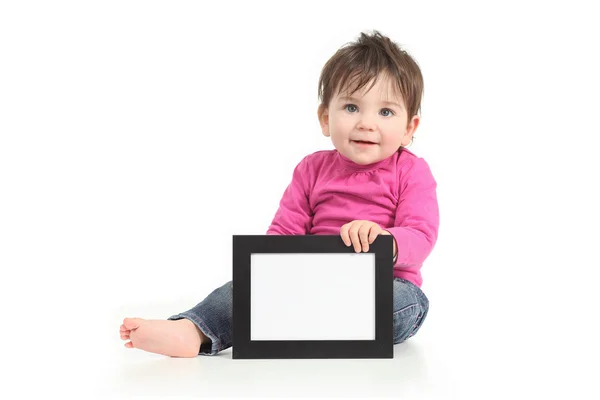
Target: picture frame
{"type": "Point", "coordinates": [319, 268]}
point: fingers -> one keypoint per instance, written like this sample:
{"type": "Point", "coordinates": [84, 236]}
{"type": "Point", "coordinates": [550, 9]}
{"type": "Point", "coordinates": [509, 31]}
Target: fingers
{"type": "Point", "coordinates": [353, 231]}
{"type": "Point", "coordinates": [349, 237]}
{"type": "Point", "coordinates": [363, 234]}
{"type": "Point", "coordinates": [344, 234]}
{"type": "Point", "coordinates": [360, 234]}
{"type": "Point", "coordinates": [373, 233]}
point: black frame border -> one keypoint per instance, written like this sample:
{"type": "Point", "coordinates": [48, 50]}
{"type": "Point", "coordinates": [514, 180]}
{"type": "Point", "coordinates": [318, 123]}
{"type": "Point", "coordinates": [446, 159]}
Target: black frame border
{"type": "Point", "coordinates": [244, 348]}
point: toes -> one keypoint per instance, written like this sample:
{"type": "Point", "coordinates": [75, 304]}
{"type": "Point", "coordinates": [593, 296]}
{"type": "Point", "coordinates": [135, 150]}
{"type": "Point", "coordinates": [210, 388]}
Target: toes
{"type": "Point", "coordinates": [124, 332]}
{"type": "Point", "coordinates": [129, 345]}
{"type": "Point", "coordinates": [131, 323]}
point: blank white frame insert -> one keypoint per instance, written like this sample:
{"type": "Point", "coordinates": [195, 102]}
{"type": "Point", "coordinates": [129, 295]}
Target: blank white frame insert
{"type": "Point", "coordinates": [301, 296]}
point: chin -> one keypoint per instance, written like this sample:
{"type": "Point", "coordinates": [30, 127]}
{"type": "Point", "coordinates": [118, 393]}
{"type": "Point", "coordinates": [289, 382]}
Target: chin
{"type": "Point", "coordinates": [365, 160]}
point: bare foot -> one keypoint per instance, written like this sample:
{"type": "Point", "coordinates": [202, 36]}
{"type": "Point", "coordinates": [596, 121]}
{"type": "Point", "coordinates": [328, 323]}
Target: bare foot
{"type": "Point", "coordinates": [180, 338]}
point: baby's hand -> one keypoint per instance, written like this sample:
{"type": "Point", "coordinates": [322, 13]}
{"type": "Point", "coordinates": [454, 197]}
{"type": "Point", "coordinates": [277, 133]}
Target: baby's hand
{"type": "Point", "coordinates": [361, 233]}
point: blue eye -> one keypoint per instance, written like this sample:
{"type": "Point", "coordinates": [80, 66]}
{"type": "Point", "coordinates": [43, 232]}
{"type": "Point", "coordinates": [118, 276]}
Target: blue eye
{"type": "Point", "coordinates": [390, 112]}
{"type": "Point", "coordinates": [347, 107]}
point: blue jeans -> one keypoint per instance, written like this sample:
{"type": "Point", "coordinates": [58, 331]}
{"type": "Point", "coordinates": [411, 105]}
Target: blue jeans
{"type": "Point", "coordinates": [213, 316]}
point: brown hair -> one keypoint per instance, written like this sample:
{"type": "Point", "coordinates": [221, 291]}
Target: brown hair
{"type": "Point", "coordinates": [368, 58]}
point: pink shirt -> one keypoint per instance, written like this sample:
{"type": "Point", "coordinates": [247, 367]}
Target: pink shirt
{"type": "Point", "coordinates": [328, 190]}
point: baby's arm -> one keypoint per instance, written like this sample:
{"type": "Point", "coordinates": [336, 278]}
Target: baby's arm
{"type": "Point", "coordinates": [416, 223]}
{"type": "Point", "coordinates": [294, 216]}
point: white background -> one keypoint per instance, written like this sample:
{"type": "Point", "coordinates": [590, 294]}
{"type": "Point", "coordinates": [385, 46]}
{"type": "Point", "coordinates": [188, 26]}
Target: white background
{"type": "Point", "coordinates": [138, 136]}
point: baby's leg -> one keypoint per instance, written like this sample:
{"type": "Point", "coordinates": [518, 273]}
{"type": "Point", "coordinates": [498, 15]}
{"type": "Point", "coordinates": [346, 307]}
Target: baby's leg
{"type": "Point", "coordinates": [213, 316]}
{"type": "Point", "coordinates": [204, 329]}
{"type": "Point", "coordinates": [170, 338]}
{"type": "Point", "coordinates": [410, 309]}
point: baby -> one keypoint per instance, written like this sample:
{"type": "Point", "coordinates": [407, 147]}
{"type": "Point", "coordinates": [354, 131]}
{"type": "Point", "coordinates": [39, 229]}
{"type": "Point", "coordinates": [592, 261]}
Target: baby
{"type": "Point", "coordinates": [370, 92]}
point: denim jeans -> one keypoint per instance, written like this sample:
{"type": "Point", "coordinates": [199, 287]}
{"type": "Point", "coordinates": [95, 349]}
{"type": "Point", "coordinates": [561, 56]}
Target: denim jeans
{"type": "Point", "coordinates": [213, 315]}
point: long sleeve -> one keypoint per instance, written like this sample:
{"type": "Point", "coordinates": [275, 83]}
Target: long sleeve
{"type": "Point", "coordinates": [416, 223]}
{"type": "Point", "coordinates": [294, 215]}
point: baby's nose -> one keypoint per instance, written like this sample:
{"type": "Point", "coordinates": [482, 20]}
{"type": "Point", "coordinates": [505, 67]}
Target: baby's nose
{"type": "Point", "coordinates": [367, 123]}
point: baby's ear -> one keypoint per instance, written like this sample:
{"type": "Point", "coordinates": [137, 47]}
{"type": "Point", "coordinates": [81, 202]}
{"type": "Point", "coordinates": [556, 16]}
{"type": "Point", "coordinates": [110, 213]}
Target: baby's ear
{"type": "Point", "coordinates": [410, 130]}
{"type": "Point", "coordinates": [323, 115]}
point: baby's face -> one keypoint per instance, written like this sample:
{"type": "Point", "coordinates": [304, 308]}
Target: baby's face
{"type": "Point", "coordinates": [376, 116]}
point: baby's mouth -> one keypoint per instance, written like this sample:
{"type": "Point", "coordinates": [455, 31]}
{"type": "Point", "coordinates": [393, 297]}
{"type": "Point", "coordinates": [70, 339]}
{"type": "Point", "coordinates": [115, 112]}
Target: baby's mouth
{"type": "Point", "coordinates": [363, 142]}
